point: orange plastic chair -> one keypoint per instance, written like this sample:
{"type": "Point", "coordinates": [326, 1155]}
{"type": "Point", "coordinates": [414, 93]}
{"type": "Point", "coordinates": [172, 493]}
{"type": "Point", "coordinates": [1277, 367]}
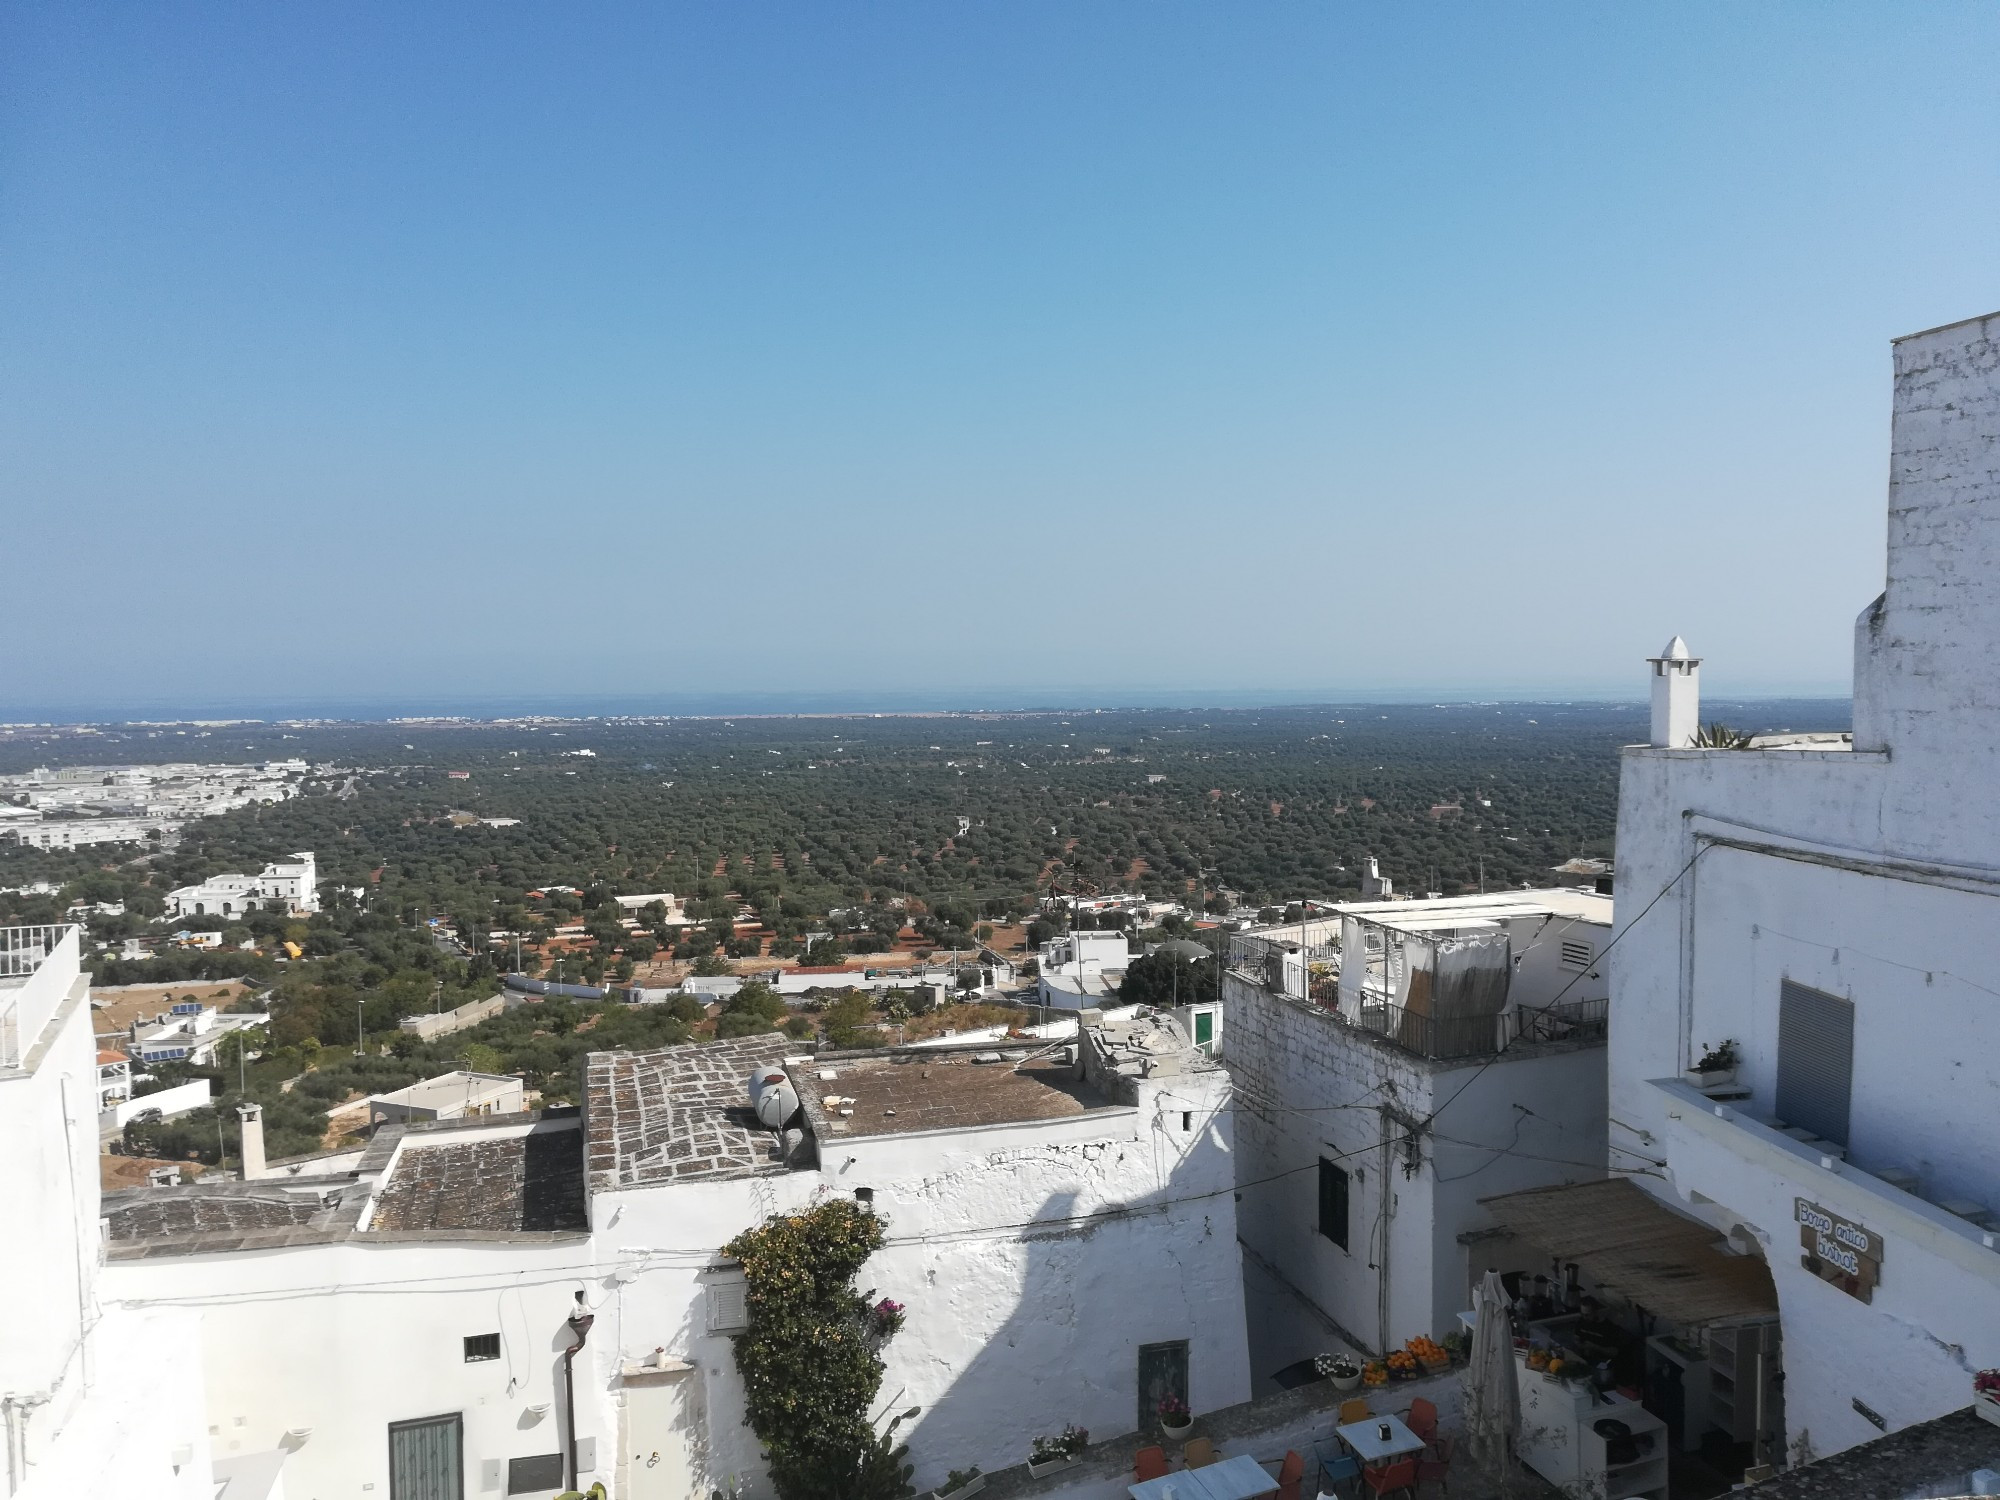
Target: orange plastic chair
{"type": "Point", "coordinates": [1423, 1419]}
{"type": "Point", "coordinates": [1353, 1410]}
{"type": "Point", "coordinates": [1150, 1463]}
{"type": "Point", "coordinates": [1290, 1472]}
{"type": "Point", "coordinates": [1200, 1453]}
{"type": "Point", "coordinates": [1400, 1475]}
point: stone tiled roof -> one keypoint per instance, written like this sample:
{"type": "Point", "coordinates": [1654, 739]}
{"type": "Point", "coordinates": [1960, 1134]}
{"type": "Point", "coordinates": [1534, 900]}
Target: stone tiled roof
{"type": "Point", "coordinates": [161, 1213]}
{"type": "Point", "coordinates": [532, 1181]}
{"type": "Point", "coordinates": [1932, 1458]}
{"type": "Point", "coordinates": [677, 1114]}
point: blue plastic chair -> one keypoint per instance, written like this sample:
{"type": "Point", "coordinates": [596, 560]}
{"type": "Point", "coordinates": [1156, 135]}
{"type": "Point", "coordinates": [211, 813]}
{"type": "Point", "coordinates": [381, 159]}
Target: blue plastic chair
{"type": "Point", "coordinates": [1336, 1471]}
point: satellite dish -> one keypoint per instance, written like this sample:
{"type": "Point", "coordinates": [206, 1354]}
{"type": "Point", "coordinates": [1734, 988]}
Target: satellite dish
{"type": "Point", "coordinates": [772, 1098]}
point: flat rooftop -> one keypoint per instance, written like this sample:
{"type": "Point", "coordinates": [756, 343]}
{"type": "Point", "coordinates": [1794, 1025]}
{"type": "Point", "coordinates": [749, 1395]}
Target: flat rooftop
{"type": "Point", "coordinates": [849, 1097]}
{"type": "Point", "coordinates": [679, 1114]}
{"type": "Point", "coordinates": [509, 1183]}
{"type": "Point", "coordinates": [447, 1089]}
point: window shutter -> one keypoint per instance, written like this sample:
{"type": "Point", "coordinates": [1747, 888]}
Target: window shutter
{"type": "Point", "coordinates": [729, 1305]}
{"type": "Point", "coordinates": [1815, 1060]}
{"type": "Point", "coordinates": [1333, 1202]}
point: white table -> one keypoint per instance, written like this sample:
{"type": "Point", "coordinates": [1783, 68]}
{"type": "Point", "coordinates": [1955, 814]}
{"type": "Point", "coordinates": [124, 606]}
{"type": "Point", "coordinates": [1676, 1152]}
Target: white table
{"type": "Point", "coordinates": [1365, 1438]}
{"type": "Point", "coordinates": [1238, 1478]}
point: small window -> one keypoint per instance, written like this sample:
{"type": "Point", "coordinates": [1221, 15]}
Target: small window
{"type": "Point", "coordinates": [1187, 1121]}
{"type": "Point", "coordinates": [482, 1346]}
{"type": "Point", "coordinates": [1577, 953]}
{"type": "Point", "coordinates": [1333, 1202]}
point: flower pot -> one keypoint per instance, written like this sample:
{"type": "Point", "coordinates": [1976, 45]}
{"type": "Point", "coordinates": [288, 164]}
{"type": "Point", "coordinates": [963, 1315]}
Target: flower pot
{"type": "Point", "coordinates": [1345, 1383]}
{"type": "Point", "coordinates": [1989, 1408]}
{"type": "Point", "coordinates": [971, 1487]}
{"type": "Point", "coordinates": [1036, 1471]}
{"type": "Point", "coordinates": [1712, 1079]}
{"type": "Point", "coordinates": [1176, 1430]}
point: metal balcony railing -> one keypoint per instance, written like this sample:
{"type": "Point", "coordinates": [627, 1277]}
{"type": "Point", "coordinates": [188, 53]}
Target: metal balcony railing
{"type": "Point", "coordinates": [26, 1003]}
{"type": "Point", "coordinates": [22, 949]}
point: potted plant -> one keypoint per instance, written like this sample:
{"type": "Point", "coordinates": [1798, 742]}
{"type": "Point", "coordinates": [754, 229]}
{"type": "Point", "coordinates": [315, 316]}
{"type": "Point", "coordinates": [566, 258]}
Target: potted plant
{"type": "Point", "coordinates": [1986, 1395]}
{"type": "Point", "coordinates": [960, 1483]}
{"type": "Point", "coordinates": [1176, 1421]}
{"type": "Point", "coordinates": [1051, 1453]}
{"type": "Point", "coordinates": [1715, 1066]}
{"type": "Point", "coordinates": [1342, 1369]}
{"type": "Point", "coordinates": [885, 1318]}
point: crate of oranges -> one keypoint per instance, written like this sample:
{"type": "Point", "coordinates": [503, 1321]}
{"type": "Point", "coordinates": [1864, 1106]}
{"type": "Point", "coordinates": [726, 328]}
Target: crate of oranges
{"type": "Point", "coordinates": [1430, 1354]}
{"type": "Point", "coordinates": [1403, 1365]}
{"type": "Point", "coordinates": [1375, 1373]}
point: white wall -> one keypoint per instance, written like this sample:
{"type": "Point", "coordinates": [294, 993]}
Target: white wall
{"type": "Point", "coordinates": [1871, 874]}
{"type": "Point", "coordinates": [1310, 1087]}
{"type": "Point", "coordinates": [78, 1389]}
{"type": "Point", "coordinates": [1010, 1332]}
{"type": "Point", "coordinates": [169, 1102]}
{"type": "Point", "coordinates": [347, 1338]}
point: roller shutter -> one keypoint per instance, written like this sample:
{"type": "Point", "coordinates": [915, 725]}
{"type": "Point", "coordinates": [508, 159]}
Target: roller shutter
{"type": "Point", "coordinates": [1815, 1060]}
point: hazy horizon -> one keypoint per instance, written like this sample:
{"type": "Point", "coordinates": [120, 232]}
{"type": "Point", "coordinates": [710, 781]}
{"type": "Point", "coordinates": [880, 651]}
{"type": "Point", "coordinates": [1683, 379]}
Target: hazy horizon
{"type": "Point", "coordinates": [857, 703]}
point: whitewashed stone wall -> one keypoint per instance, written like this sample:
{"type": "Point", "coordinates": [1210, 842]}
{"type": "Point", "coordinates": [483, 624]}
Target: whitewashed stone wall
{"type": "Point", "coordinates": [1872, 875]}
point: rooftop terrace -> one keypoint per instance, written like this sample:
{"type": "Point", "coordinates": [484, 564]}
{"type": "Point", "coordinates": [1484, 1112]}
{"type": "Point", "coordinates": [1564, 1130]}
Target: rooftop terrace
{"type": "Point", "coordinates": [934, 1090]}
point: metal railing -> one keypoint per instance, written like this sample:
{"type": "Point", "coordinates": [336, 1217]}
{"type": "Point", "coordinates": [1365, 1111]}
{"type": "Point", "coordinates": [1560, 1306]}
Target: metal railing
{"type": "Point", "coordinates": [25, 1006]}
{"type": "Point", "coordinates": [22, 949]}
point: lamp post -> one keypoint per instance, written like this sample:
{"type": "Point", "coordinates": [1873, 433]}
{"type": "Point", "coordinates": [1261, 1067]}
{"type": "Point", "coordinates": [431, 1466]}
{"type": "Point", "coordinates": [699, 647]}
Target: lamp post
{"type": "Point", "coordinates": [579, 1324]}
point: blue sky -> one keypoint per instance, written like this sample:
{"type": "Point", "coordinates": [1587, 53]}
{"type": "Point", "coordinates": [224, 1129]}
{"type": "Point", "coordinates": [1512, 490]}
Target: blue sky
{"type": "Point", "coordinates": [416, 353]}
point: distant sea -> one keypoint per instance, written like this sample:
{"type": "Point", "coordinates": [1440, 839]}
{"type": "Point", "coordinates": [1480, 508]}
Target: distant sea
{"type": "Point", "coordinates": [850, 701]}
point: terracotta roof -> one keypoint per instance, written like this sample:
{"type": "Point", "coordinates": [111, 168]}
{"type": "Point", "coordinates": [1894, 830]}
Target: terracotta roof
{"type": "Point", "coordinates": [106, 1056]}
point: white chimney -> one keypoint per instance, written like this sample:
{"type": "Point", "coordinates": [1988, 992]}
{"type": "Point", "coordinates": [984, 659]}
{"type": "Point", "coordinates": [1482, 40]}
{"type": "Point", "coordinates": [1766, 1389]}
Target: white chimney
{"type": "Point", "coordinates": [252, 1116]}
{"type": "Point", "coordinates": [1676, 696]}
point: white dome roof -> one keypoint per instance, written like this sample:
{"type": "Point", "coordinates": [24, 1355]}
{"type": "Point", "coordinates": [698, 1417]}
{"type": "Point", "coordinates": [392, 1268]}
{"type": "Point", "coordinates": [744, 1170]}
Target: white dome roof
{"type": "Point", "coordinates": [1677, 650]}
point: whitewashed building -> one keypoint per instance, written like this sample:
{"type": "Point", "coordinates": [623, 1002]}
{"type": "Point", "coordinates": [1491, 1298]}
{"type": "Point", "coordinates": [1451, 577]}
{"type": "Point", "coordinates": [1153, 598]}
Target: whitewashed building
{"type": "Point", "coordinates": [1081, 969]}
{"type": "Point", "coordinates": [392, 1327]}
{"type": "Point", "coordinates": [1832, 912]}
{"type": "Point", "coordinates": [95, 1399]}
{"type": "Point", "coordinates": [293, 883]}
{"type": "Point", "coordinates": [1396, 1062]}
{"type": "Point", "coordinates": [1061, 1233]}
{"type": "Point", "coordinates": [450, 1096]}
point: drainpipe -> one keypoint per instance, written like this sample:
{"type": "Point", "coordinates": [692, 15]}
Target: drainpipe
{"type": "Point", "coordinates": [15, 1411]}
{"type": "Point", "coordinates": [579, 1324]}
{"type": "Point", "coordinates": [1388, 1191]}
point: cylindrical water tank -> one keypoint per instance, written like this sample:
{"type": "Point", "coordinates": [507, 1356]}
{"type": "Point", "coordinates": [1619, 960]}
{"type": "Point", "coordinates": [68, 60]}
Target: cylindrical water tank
{"type": "Point", "coordinates": [772, 1098]}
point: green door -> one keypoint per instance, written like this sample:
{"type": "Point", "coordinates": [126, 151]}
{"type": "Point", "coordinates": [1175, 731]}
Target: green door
{"type": "Point", "coordinates": [1204, 1027]}
{"type": "Point", "coordinates": [427, 1459]}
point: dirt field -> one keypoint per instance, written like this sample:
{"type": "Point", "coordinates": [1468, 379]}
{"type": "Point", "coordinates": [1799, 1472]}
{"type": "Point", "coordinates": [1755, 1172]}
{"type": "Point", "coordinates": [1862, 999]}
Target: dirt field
{"type": "Point", "coordinates": [114, 1011]}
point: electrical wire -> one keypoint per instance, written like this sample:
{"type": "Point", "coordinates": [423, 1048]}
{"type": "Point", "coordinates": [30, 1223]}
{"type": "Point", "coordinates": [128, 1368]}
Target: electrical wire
{"type": "Point", "coordinates": [1617, 938]}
